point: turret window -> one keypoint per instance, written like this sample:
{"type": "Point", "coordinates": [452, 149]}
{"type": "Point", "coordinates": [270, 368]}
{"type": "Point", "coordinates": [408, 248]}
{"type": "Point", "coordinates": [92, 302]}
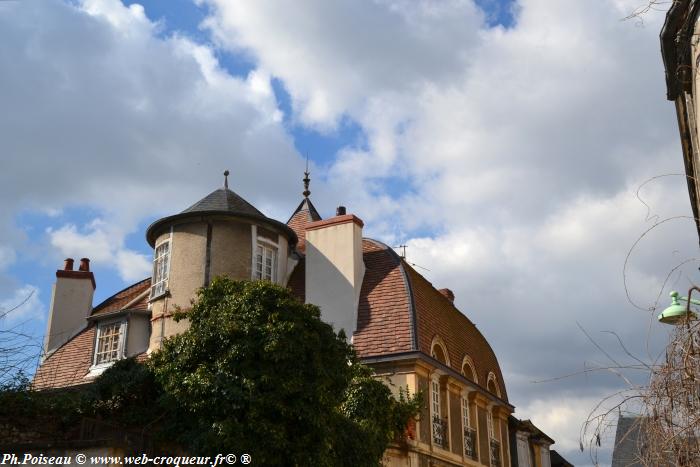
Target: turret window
{"type": "Point", "coordinates": [265, 262]}
{"type": "Point", "coordinates": [161, 269]}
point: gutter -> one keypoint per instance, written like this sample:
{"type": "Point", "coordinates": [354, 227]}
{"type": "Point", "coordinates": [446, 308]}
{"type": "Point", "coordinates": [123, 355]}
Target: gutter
{"type": "Point", "coordinates": [408, 356]}
{"type": "Point", "coordinates": [669, 45]}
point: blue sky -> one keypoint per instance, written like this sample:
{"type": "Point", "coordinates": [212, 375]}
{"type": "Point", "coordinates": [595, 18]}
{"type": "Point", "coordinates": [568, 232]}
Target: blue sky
{"type": "Point", "coordinates": [502, 141]}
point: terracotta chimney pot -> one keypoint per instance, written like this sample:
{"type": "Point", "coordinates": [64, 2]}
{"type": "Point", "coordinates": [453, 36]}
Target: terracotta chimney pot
{"type": "Point", "coordinates": [68, 264]}
{"type": "Point", "coordinates": [84, 265]}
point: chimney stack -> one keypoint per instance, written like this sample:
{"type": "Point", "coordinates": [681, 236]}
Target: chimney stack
{"type": "Point", "coordinates": [448, 294]}
{"type": "Point", "coordinates": [71, 303]}
{"type": "Point", "coordinates": [335, 269]}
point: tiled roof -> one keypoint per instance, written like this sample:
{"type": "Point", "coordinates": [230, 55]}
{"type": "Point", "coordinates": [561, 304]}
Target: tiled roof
{"type": "Point", "coordinates": [224, 200]}
{"type": "Point", "coordinates": [122, 298]}
{"type": "Point", "coordinates": [69, 364]}
{"type": "Point", "coordinates": [384, 314]}
{"type": "Point", "coordinates": [437, 315]}
{"type": "Point", "coordinates": [400, 311]}
{"type": "Point", "coordinates": [385, 311]}
{"type": "Point", "coordinates": [304, 214]}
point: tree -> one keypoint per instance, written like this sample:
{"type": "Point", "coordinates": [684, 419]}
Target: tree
{"type": "Point", "coordinates": [258, 372]}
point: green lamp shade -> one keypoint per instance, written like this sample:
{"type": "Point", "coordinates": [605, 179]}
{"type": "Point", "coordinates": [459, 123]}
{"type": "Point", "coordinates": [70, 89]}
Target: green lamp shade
{"type": "Point", "coordinates": [676, 312]}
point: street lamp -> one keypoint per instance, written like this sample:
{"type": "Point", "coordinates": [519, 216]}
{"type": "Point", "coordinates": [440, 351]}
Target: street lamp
{"type": "Point", "coordinates": [677, 312]}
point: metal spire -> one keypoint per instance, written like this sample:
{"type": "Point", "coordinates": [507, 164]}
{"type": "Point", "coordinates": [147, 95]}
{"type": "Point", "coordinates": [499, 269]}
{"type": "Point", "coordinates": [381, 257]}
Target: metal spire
{"type": "Point", "coordinates": [226, 172]}
{"type": "Point", "coordinates": [306, 192]}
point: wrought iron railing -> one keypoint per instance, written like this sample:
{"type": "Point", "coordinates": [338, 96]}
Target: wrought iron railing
{"type": "Point", "coordinates": [495, 453]}
{"type": "Point", "coordinates": [470, 442]}
{"type": "Point", "coordinates": [440, 432]}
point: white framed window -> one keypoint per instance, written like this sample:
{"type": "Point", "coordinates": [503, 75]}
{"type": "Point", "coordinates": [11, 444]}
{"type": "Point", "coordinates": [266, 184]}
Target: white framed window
{"type": "Point", "coordinates": [435, 397]}
{"type": "Point", "coordinates": [161, 269]}
{"type": "Point", "coordinates": [489, 424]}
{"type": "Point", "coordinates": [465, 413]}
{"type": "Point", "coordinates": [110, 343]}
{"type": "Point", "coordinates": [265, 262]}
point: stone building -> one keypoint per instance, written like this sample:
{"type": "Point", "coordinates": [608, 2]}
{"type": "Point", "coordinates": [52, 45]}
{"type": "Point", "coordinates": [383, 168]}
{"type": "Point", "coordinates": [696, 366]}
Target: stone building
{"type": "Point", "coordinates": [680, 50]}
{"type": "Point", "coordinates": [409, 331]}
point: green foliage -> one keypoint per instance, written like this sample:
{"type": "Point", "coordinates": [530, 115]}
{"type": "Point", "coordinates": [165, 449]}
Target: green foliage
{"type": "Point", "coordinates": [261, 373]}
{"type": "Point", "coordinates": [126, 394]}
{"type": "Point", "coordinates": [50, 413]}
{"type": "Point", "coordinates": [372, 419]}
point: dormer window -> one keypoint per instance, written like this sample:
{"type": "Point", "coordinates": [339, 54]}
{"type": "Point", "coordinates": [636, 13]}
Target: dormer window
{"type": "Point", "coordinates": [110, 343]}
{"type": "Point", "coordinates": [265, 261]}
{"type": "Point", "coordinates": [161, 269]}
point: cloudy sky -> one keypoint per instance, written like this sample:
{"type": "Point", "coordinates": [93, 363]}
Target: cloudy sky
{"type": "Point", "coordinates": [503, 141]}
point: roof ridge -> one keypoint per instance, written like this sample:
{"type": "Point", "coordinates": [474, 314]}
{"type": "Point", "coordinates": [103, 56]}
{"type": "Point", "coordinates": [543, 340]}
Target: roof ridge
{"type": "Point", "coordinates": [104, 302]}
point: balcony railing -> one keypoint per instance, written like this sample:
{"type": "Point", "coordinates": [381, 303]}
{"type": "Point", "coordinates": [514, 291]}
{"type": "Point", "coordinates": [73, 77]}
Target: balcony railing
{"type": "Point", "coordinates": [470, 443]}
{"type": "Point", "coordinates": [495, 453]}
{"type": "Point", "coordinates": [440, 432]}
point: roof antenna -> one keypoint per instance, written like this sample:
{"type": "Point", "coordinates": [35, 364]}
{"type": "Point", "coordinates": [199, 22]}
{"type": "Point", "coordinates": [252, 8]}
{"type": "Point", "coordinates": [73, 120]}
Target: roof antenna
{"type": "Point", "coordinates": [306, 191]}
{"type": "Point", "coordinates": [226, 172]}
{"type": "Point", "coordinates": [403, 250]}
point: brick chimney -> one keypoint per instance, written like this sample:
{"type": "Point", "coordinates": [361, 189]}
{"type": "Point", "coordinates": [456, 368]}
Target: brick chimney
{"type": "Point", "coordinates": [335, 269]}
{"type": "Point", "coordinates": [448, 294]}
{"type": "Point", "coordinates": [71, 303]}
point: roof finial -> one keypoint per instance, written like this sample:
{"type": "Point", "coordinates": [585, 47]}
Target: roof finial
{"type": "Point", "coordinates": [226, 172]}
{"type": "Point", "coordinates": [306, 192]}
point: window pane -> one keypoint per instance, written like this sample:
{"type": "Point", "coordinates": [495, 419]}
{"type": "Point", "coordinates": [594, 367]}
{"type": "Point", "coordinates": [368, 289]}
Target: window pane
{"type": "Point", "coordinates": [108, 343]}
{"type": "Point", "coordinates": [265, 262]}
{"type": "Point", "coordinates": [161, 268]}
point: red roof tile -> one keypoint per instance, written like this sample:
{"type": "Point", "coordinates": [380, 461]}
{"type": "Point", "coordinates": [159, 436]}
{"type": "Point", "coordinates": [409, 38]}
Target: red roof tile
{"type": "Point", "coordinates": [123, 298]}
{"type": "Point", "coordinates": [437, 315]}
{"type": "Point", "coordinates": [69, 364]}
{"type": "Point", "coordinates": [393, 296]}
{"type": "Point", "coordinates": [385, 312]}
{"type": "Point", "coordinates": [304, 215]}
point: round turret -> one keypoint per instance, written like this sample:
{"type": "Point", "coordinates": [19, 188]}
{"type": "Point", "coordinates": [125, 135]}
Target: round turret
{"type": "Point", "coordinates": [220, 235]}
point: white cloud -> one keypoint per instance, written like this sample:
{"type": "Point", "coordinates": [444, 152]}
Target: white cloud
{"type": "Point", "coordinates": [104, 112]}
{"type": "Point", "coordinates": [132, 266]}
{"type": "Point", "coordinates": [565, 416]}
{"type": "Point", "coordinates": [101, 246]}
{"type": "Point", "coordinates": [334, 56]}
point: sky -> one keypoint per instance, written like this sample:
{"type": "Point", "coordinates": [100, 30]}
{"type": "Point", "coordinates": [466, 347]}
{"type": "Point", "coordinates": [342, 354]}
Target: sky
{"type": "Point", "coordinates": [523, 150]}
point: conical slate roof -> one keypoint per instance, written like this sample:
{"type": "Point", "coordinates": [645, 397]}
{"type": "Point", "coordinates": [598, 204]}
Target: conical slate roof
{"type": "Point", "coordinates": [217, 203]}
{"type": "Point", "coordinates": [225, 200]}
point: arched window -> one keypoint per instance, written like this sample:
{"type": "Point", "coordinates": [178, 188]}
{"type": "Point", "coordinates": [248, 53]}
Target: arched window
{"type": "Point", "coordinates": [438, 350]}
{"type": "Point", "coordinates": [492, 385]}
{"type": "Point", "coordinates": [469, 370]}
